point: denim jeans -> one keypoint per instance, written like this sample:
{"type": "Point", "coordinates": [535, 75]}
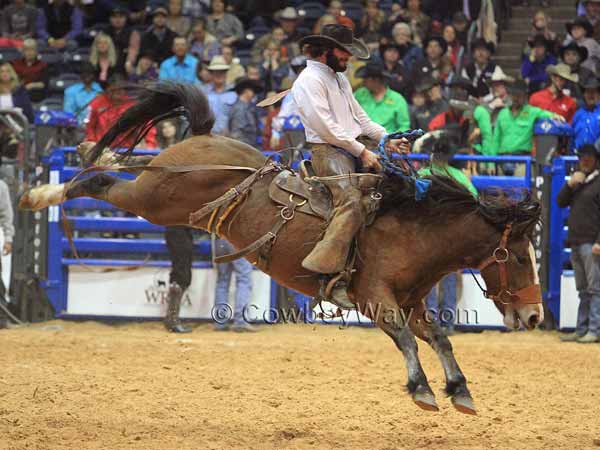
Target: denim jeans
{"type": "Point", "coordinates": [445, 310]}
{"type": "Point", "coordinates": [243, 276]}
{"type": "Point", "coordinates": [586, 266]}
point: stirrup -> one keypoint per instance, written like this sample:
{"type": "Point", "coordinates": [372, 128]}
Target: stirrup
{"type": "Point", "coordinates": [329, 284]}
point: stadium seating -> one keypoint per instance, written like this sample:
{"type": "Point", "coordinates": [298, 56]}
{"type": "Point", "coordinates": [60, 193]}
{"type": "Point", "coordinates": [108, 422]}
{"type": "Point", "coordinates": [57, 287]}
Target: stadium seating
{"type": "Point", "coordinates": [63, 81]}
{"type": "Point", "coordinates": [8, 54]}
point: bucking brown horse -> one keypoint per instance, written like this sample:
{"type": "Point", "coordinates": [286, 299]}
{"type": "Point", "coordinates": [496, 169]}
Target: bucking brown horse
{"type": "Point", "coordinates": [410, 246]}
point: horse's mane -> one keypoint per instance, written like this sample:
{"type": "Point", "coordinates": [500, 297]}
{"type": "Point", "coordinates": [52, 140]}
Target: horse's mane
{"type": "Point", "coordinates": [448, 198]}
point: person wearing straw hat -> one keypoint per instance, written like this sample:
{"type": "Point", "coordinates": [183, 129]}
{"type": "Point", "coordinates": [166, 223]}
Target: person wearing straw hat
{"type": "Point", "coordinates": [498, 88]}
{"type": "Point", "coordinates": [586, 123]}
{"type": "Point", "coordinates": [333, 120]}
{"type": "Point", "coordinates": [553, 98]}
{"type": "Point", "coordinates": [220, 98]}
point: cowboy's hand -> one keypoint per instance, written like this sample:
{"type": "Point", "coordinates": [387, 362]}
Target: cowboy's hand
{"type": "Point", "coordinates": [596, 249]}
{"type": "Point", "coordinates": [398, 146]}
{"type": "Point", "coordinates": [7, 249]}
{"type": "Point", "coordinates": [370, 160]}
{"type": "Point", "coordinates": [576, 179]}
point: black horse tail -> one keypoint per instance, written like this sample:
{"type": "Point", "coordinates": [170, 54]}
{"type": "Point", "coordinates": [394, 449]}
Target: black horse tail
{"type": "Point", "coordinates": [153, 103]}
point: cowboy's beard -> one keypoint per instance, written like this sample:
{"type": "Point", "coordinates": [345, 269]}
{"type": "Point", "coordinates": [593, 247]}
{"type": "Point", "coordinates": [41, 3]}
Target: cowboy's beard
{"type": "Point", "coordinates": [334, 62]}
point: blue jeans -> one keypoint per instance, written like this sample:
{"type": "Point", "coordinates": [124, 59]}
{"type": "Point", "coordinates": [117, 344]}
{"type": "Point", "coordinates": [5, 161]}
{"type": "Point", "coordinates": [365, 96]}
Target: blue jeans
{"type": "Point", "coordinates": [243, 279]}
{"type": "Point", "coordinates": [445, 311]}
{"type": "Point", "coordinates": [586, 266]}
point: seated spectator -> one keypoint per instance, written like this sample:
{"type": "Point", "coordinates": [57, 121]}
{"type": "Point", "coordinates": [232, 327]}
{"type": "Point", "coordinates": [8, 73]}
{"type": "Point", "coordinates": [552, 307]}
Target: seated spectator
{"type": "Point", "coordinates": [436, 64]}
{"type": "Point", "coordinates": [428, 102]}
{"type": "Point", "coordinates": [533, 69]}
{"type": "Point", "coordinates": [204, 76]}
{"type": "Point", "coordinates": [327, 19]}
{"type": "Point", "coordinates": [399, 77]}
{"type": "Point", "coordinates": [158, 38]}
{"type": "Point", "coordinates": [580, 31]}
{"type": "Point", "coordinates": [384, 106]}
{"type": "Point", "coordinates": [203, 45]}
{"type": "Point", "coordinates": [410, 53]}
{"type": "Point", "coordinates": [236, 70]}
{"type": "Point", "coordinates": [32, 71]}
{"type": "Point", "coordinates": [289, 20]}
{"type": "Point", "coordinates": [586, 123]}
{"type": "Point", "coordinates": [253, 71]}
{"type": "Point", "coordinates": [12, 94]}
{"type": "Point", "coordinates": [243, 120]}
{"type": "Point", "coordinates": [78, 96]}
{"type": "Point", "coordinates": [103, 56]}
{"type": "Point", "coordinates": [456, 51]}
{"type": "Point", "coordinates": [226, 27]}
{"type": "Point", "coordinates": [513, 133]}
{"type": "Point", "coordinates": [177, 22]}
{"type": "Point", "coordinates": [220, 98]}
{"type": "Point", "coordinates": [146, 69]}
{"type": "Point", "coordinates": [59, 24]}
{"type": "Point", "coordinates": [18, 21]}
{"type": "Point", "coordinates": [481, 68]}
{"type": "Point", "coordinates": [137, 14]}
{"type": "Point", "coordinates": [166, 133]}
{"type": "Point", "coordinates": [259, 47]}
{"type": "Point", "coordinates": [181, 67]}
{"type": "Point", "coordinates": [573, 55]}
{"type": "Point", "coordinates": [553, 98]}
{"type": "Point", "coordinates": [369, 28]}
{"type": "Point", "coordinates": [541, 25]}
{"type": "Point", "coordinates": [460, 22]}
{"type": "Point", "coordinates": [592, 14]}
{"type": "Point", "coordinates": [106, 109]}
{"type": "Point", "coordinates": [335, 9]}
{"type": "Point", "coordinates": [272, 68]}
{"type": "Point", "coordinates": [195, 8]}
{"type": "Point", "coordinates": [125, 39]}
{"type": "Point", "coordinates": [418, 21]}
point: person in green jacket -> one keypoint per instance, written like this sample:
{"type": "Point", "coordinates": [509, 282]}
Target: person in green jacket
{"type": "Point", "coordinates": [384, 106]}
{"type": "Point", "coordinates": [513, 134]}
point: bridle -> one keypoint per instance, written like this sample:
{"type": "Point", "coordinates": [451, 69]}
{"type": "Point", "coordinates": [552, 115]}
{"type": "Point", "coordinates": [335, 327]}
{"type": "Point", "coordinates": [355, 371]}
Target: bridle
{"type": "Point", "coordinates": [529, 295]}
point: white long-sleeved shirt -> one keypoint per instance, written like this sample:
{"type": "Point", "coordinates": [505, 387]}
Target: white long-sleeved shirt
{"type": "Point", "coordinates": [6, 213]}
{"type": "Point", "coordinates": [328, 110]}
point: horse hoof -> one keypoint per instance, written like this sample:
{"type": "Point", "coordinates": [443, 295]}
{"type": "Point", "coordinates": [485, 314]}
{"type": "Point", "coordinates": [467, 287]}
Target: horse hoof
{"type": "Point", "coordinates": [41, 197]}
{"type": "Point", "coordinates": [464, 405]}
{"type": "Point", "coordinates": [426, 401]}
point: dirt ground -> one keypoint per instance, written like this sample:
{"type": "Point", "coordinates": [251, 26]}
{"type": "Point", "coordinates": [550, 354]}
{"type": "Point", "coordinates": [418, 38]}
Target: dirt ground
{"type": "Point", "coordinates": [66, 385]}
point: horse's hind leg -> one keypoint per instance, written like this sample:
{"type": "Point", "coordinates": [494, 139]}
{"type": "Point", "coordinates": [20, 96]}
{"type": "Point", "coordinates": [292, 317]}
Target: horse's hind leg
{"type": "Point", "coordinates": [391, 320]}
{"type": "Point", "coordinates": [456, 383]}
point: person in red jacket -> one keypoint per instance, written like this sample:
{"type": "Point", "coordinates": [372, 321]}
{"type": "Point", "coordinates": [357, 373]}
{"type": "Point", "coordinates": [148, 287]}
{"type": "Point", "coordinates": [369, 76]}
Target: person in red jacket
{"type": "Point", "coordinates": [106, 109]}
{"type": "Point", "coordinates": [553, 98]}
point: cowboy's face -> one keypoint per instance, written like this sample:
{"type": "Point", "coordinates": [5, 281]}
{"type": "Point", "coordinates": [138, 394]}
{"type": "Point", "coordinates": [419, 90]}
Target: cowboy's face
{"type": "Point", "coordinates": [519, 99]}
{"type": "Point", "coordinates": [218, 77]}
{"type": "Point", "coordinates": [342, 57]}
{"type": "Point", "coordinates": [558, 82]}
{"type": "Point", "coordinates": [539, 52]}
{"type": "Point", "coordinates": [499, 89]}
{"type": "Point", "coordinates": [159, 20]}
{"type": "Point", "coordinates": [571, 57]}
{"type": "Point", "coordinates": [588, 162]}
{"type": "Point", "coordinates": [180, 47]}
{"type": "Point", "coordinates": [288, 25]}
{"type": "Point", "coordinates": [591, 97]}
{"type": "Point", "coordinates": [373, 84]}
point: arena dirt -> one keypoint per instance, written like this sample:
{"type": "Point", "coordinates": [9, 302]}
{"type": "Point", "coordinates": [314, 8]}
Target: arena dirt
{"type": "Point", "coordinates": [68, 385]}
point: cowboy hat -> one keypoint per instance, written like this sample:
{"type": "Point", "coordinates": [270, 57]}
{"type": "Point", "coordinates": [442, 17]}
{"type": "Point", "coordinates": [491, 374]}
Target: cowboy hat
{"type": "Point", "coordinates": [583, 52]}
{"type": "Point", "coordinates": [160, 10]}
{"type": "Point", "coordinates": [463, 84]}
{"type": "Point", "coordinates": [218, 63]}
{"type": "Point", "coordinates": [580, 22]}
{"type": "Point", "coordinates": [498, 76]}
{"type": "Point", "coordinates": [288, 13]}
{"type": "Point", "coordinates": [425, 85]}
{"type": "Point", "coordinates": [482, 43]}
{"type": "Point", "coordinates": [243, 83]}
{"type": "Point", "coordinates": [338, 36]}
{"type": "Point", "coordinates": [590, 83]}
{"type": "Point", "coordinates": [563, 71]}
{"type": "Point", "coordinates": [373, 70]}
{"type": "Point", "coordinates": [518, 87]}
{"type": "Point", "coordinates": [440, 40]}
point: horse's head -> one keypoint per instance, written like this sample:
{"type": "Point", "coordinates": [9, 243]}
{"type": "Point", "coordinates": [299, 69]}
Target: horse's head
{"type": "Point", "coordinates": [512, 281]}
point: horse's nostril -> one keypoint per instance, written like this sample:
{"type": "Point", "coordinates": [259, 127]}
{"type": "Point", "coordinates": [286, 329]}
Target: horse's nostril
{"type": "Point", "coordinates": [534, 319]}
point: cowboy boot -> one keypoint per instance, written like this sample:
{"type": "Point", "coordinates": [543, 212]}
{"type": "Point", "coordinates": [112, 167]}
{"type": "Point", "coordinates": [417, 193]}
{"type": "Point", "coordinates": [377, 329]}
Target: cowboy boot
{"type": "Point", "coordinates": [172, 322]}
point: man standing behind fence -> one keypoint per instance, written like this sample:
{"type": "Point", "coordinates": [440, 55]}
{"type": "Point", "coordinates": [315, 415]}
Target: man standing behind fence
{"type": "Point", "coordinates": [582, 194]}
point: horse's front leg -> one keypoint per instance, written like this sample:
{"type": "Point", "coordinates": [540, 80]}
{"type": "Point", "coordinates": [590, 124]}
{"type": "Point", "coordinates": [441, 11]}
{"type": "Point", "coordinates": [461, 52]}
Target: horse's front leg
{"type": "Point", "coordinates": [389, 317]}
{"type": "Point", "coordinates": [431, 332]}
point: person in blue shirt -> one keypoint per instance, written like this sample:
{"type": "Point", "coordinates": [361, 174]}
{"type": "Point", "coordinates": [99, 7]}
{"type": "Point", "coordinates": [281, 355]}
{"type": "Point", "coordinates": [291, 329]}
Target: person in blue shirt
{"type": "Point", "coordinates": [220, 98]}
{"type": "Point", "coordinates": [586, 122]}
{"type": "Point", "coordinates": [78, 96]}
{"type": "Point", "coordinates": [181, 67]}
{"type": "Point", "coordinates": [533, 69]}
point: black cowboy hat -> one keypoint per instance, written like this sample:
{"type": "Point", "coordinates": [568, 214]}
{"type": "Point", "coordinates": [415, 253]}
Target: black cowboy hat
{"type": "Point", "coordinates": [338, 36]}
{"type": "Point", "coordinates": [482, 43]}
{"type": "Point", "coordinates": [590, 83]}
{"type": "Point", "coordinates": [518, 87]}
{"type": "Point", "coordinates": [464, 84]}
{"type": "Point", "coordinates": [588, 149]}
{"type": "Point", "coordinates": [426, 84]}
{"type": "Point", "coordinates": [243, 83]}
{"type": "Point", "coordinates": [540, 40]}
{"type": "Point", "coordinates": [583, 52]}
{"type": "Point", "coordinates": [119, 10]}
{"type": "Point", "coordinates": [373, 70]}
{"type": "Point", "coordinates": [440, 40]}
{"type": "Point", "coordinates": [581, 22]}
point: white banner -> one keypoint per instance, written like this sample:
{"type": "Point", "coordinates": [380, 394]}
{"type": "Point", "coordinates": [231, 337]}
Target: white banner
{"type": "Point", "coordinates": [143, 293]}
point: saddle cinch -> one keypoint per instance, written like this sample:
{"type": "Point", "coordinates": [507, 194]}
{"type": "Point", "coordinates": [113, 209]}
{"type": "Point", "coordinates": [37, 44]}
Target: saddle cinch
{"type": "Point", "coordinates": [309, 194]}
